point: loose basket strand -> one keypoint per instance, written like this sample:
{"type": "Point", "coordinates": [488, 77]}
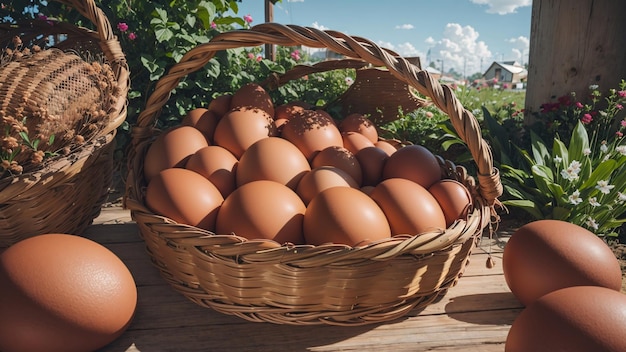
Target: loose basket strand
{"type": "Point", "coordinates": [263, 281]}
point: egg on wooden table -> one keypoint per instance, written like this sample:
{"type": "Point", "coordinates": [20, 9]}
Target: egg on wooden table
{"type": "Point", "coordinates": [61, 292]}
{"type": "Point", "coordinates": [172, 149]}
{"type": "Point", "coordinates": [572, 319]}
{"type": "Point", "coordinates": [547, 255]}
{"type": "Point", "coordinates": [263, 210]}
{"type": "Point", "coordinates": [185, 197]}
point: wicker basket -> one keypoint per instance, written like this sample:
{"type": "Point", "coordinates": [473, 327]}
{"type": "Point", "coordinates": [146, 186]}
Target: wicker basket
{"type": "Point", "coordinates": [263, 281]}
{"type": "Point", "coordinates": [66, 193]}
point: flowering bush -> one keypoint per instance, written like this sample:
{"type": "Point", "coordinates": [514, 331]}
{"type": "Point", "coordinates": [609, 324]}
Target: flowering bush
{"type": "Point", "coordinates": [583, 182]}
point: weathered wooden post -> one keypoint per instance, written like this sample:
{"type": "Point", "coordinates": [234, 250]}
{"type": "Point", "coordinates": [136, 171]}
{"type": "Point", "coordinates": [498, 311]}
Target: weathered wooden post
{"type": "Point", "coordinates": [574, 44]}
{"type": "Point", "coordinates": [270, 50]}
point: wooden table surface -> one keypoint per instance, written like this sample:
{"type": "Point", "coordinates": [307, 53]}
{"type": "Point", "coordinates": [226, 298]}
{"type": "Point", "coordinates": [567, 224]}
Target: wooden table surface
{"type": "Point", "coordinates": [475, 315]}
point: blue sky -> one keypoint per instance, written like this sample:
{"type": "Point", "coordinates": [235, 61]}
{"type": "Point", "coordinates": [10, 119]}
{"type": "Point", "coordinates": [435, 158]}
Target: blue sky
{"type": "Point", "coordinates": [466, 35]}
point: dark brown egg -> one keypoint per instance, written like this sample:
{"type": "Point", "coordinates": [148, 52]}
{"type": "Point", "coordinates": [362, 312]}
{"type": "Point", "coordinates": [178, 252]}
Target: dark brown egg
{"type": "Point", "coordinates": [221, 104]}
{"type": "Point", "coordinates": [415, 163]}
{"type": "Point", "coordinates": [572, 319]}
{"type": "Point", "coordinates": [312, 132]}
{"type": "Point", "coordinates": [61, 292]}
{"type": "Point", "coordinates": [263, 210]}
{"type": "Point", "coordinates": [185, 197]}
{"type": "Point", "coordinates": [361, 124]}
{"type": "Point", "coordinates": [547, 255]}
{"type": "Point", "coordinates": [372, 161]}
{"type": "Point", "coordinates": [204, 120]}
{"type": "Point", "coordinates": [172, 149]}
{"type": "Point", "coordinates": [252, 95]}
{"type": "Point", "coordinates": [410, 209]}
{"type": "Point", "coordinates": [241, 127]}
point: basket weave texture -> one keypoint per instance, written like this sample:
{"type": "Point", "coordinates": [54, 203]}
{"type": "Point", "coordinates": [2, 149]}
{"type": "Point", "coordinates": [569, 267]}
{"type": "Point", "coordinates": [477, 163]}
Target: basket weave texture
{"type": "Point", "coordinates": [264, 281]}
{"type": "Point", "coordinates": [66, 192]}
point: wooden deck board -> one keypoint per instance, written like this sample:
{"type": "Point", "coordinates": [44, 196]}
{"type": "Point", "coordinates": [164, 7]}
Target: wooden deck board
{"type": "Point", "coordinates": [475, 315]}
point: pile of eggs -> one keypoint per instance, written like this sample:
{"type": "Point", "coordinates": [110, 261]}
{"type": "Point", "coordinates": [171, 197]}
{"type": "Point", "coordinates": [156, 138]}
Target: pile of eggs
{"type": "Point", "coordinates": [292, 174]}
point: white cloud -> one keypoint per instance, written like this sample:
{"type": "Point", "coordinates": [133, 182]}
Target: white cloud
{"type": "Point", "coordinates": [405, 26]}
{"type": "Point", "coordinates": [459, 49]}
{"type": "Point", "coordinates": [503, 7]}
{"type": "Point", "coordinates": [408, 50]}
{"type": "Point", "coordinates": [295, 0]}
{"type": "Point", "coordinates": [430, 41]}
{"type": "Point", "coordinates": [520, 48]}
{"type": "Point", "coordinates": [319, 26]}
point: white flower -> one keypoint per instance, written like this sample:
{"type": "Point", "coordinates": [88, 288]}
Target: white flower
{"type": "Point", "coordinates": [603, 147]}
{"type": "Point", "coordinates": [594, 202]}
{"type": "Point", "coordinates": [557, 159]}
{"type": "Point", "coordinates": [591, 223]}
{"type": "Point", "coordinates": [349, 81]}
{"type": "Point", "coordinates": [575, 165]}
{"type": "Point", "coordinates": [574, 198]}
{"type": "Point", "coordinates": [621, 197]}
{"type": "Point", "coordinates": [621, 149]}
{"type": "Point", "coordinates": [593, 87]}
{"type": "Point", "coordinates": [587, 152]}
{"type": "Point", "coordinates": [571, 173]}
{"type": "Point", "coordinates": [604, 186]}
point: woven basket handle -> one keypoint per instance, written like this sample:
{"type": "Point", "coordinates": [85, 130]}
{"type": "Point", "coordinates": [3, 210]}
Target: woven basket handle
{"type": "Point", "coordinates": [302, 70]}
{"type": "Point", "coordinates": [443, 97]}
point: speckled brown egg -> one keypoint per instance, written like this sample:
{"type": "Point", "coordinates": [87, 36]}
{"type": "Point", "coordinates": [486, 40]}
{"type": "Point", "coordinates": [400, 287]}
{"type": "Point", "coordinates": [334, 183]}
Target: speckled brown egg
{"type": "Point", "coordinates": [263, 210]}
{"type": "Point", "coordinates": [341, 158]}
{"type": "Point", "coordinates": [572, 319]}
{"type": "Point", "coordinates": [410, 209]}
{"type": "Point", "coordinates": [185, 197]}
{"type": "Point", "coordinates": [275, 159]}
{"type": "Point", "coordinates": [547, 255]}
{"type": "Point", "coordinates": [241, 127]}
{"type": "Point", "coordinates": [172, 149]}
{"type": "Point", "coordinates": [354, 141]}
{"type": "Point", "coordinates": [453, 197]}
{"type": "Point", "coordinates": [344, 215]}
{"type": "Point", "coordinates": [312, 132]}
{"type": "Point", "coordinates": [358, 123]}
{"type": "Point", "coordinates": [220, 104]}
{"type": "Point", "coordinates": [216, 164]}
{"type": "Point", "coordinates": [60, 292]}
{"type": "Point", "coordinates": [415, 163]}
{"type": "Point", "coordinates": [252, 95]}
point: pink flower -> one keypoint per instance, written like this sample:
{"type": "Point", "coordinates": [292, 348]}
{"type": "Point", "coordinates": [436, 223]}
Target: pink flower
{"type": "Point", "coordinates": [247, 18]}
{"type": "Point", "coordinates": [586, 119]}
{"type": "Point", "coordinates": [619, 134]}
{"type": "Point", "coordinates": [429, 114]}
{"type": "Point", "coordinates": [623, 123]}
{"type": "Point", "coordinates": [251, 56]}
{"type": "Point", "coordinates": [619, 106]}
{"type": "Point", "coordinates": [132, 36]}
{"type": "Point", "coordinates": [295, 55]}
{"type": "Point", "coordinates": [213, 25]}
{"type": "Point", "coordinates": [259, 58]}
{"type": "Point", "coordinates": [622, 93]}
{"type": "Point", "coordinates": [123, 27]}
{"type": "Point", "coordinates": [579, 105]}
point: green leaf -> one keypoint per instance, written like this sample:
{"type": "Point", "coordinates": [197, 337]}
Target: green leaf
{"type": "Point", "coordinates": [539, 149]}
{"type": "Point", "coordinates": [160, 13]}
{"type": "Point", "coordinates": [579, 142]}
{"type": "Point", "coordinates": [602, 172]}
{"type": "Point", "coordinates": [206, 12]}
{"type": "Point", "coordinates": [526, 205]}
{"type": "Point", "coordinates": [560, 213]}
{"type": "Point", "coordinates": [162, 33]}
{"type": "Point", "coordinates": [542, 175]}
{"type": "Point", "coordinates": [559, 149]}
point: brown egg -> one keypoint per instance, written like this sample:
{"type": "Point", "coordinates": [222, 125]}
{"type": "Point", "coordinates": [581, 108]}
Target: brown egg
{"type": "Point", "coordinates": [415, 163]}
{"type": "Point", "coordinates": [572, 319]}
{"type": "Point", "coordinates": [312, 132]}
{"type": "Point", "coordinates": [453, 198]}
{"type": "Point", "coordinates": [410, 209]}
{"type": "Point", "coordinates": [252, 95]}
{"type": "Point", "coordinates": [321, 178]}
{"type": "Point", "coordinates": [220, 104]}
{"type": "Point", "coordinates": [358, 123]}
{"type": "Point", "coordinates": [275, 159]}
{"type": "Point", "coordinates": [291, 109]}
{"type": "Point", "coordinates": [344, 215]}
{"type": "Point", "coordinates": [367, 190]}
{"type": "Point", "coordinates": [216, 164]}
{"type": "Point", "coordinates": [354, 141]}
{"type": "Point", "coordinates": [172, 149]}
{"type": "Point", "coordinates": [372, 161]}
{"type": "Point", "coordinates": [263, 210]}
{"type": "Point", "coordinates": [203, 120]}
{"type": "Point", "coordinates": [341, 158]}
{"type": "Point", "coordinates": [185, 197]}
{"type": "Point", "coordinates": [546, 255]}
{"type": "Point", "coordinates": [60, 292]}
{"type": "Point", "coordinates": [386, 146]}
{"type": "Point", "coordinates": [241, 127]}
